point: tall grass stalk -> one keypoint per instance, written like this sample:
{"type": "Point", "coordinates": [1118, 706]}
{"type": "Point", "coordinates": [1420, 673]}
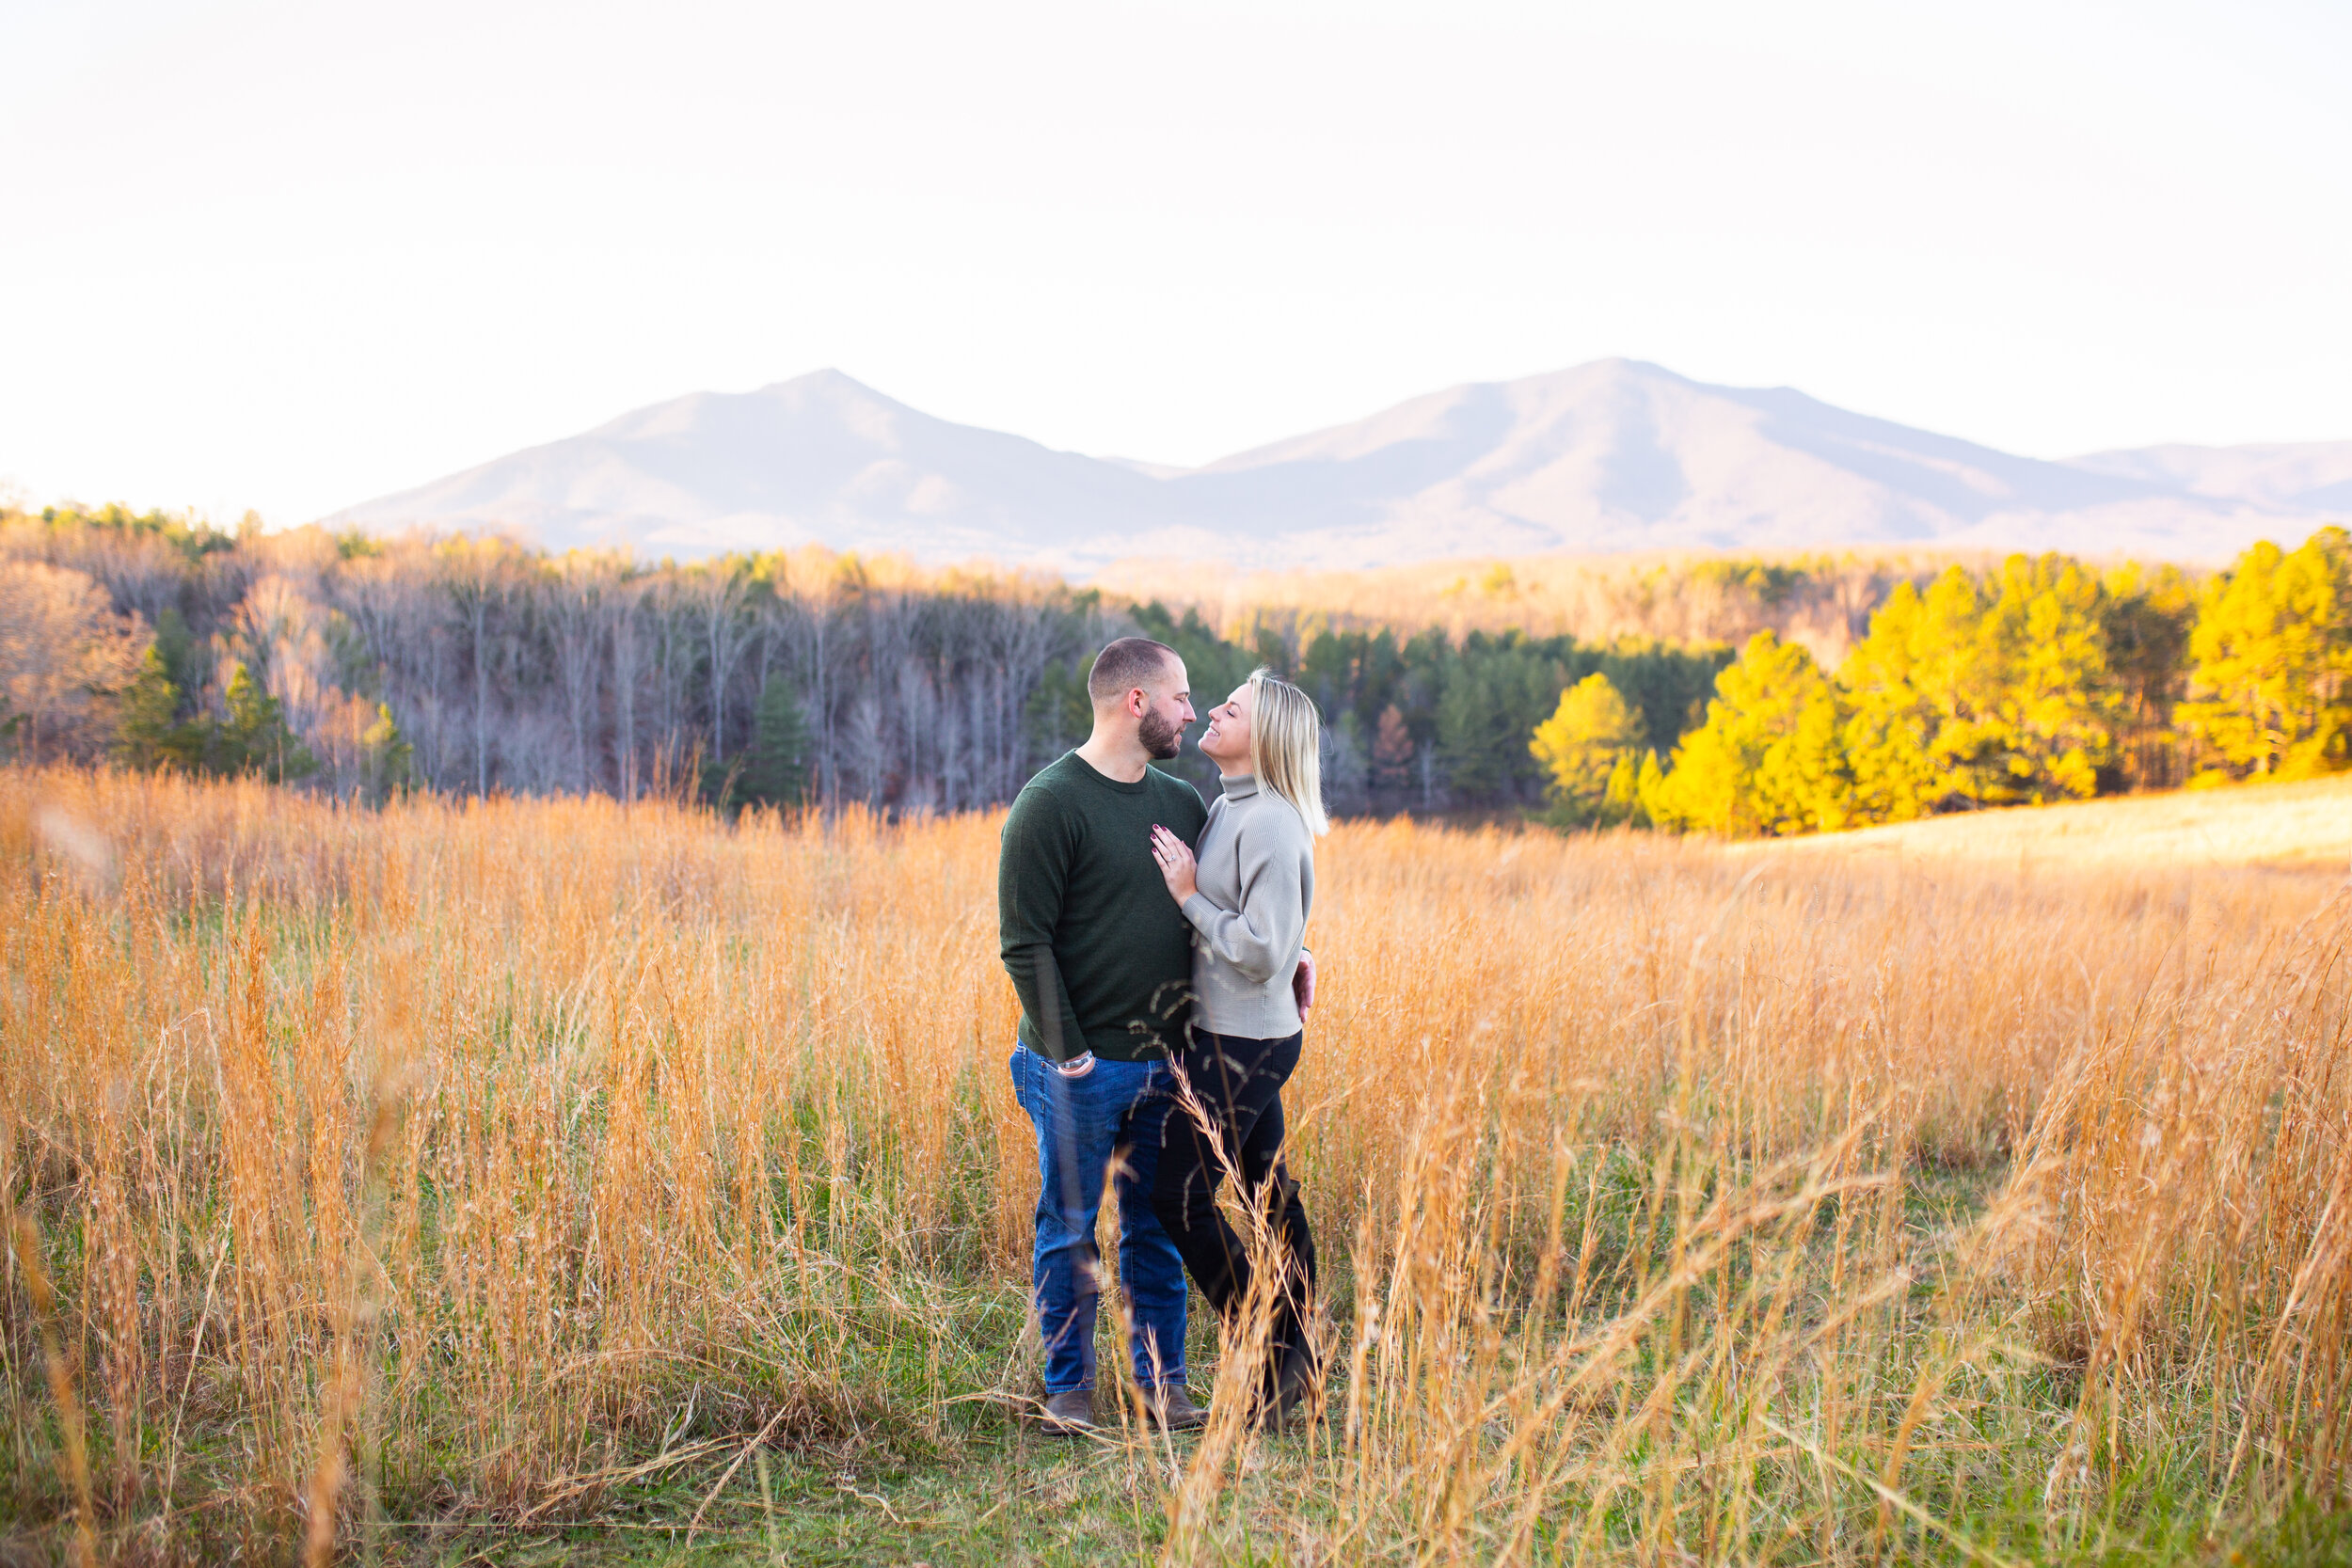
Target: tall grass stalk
{"type": "Point", "coordinates": [488, 1160]}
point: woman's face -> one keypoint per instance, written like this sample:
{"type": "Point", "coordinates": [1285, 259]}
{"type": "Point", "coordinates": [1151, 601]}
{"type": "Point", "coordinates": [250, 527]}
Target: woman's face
{"type": "Point", "coordinates": [1226, 741]}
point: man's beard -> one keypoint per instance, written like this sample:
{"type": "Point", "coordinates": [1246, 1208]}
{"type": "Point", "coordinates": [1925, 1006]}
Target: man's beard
{"type": "Point", "coordinates": [1161, 736]}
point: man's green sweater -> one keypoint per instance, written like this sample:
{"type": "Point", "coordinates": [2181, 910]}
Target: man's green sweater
{"type": "Point", "coordinates": [1100, 954]}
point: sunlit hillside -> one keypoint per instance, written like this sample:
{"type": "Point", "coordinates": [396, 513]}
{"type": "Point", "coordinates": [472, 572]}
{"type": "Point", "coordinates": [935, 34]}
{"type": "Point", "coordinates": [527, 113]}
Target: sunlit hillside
{"type": "Point", "coordinates": [2305, 826]}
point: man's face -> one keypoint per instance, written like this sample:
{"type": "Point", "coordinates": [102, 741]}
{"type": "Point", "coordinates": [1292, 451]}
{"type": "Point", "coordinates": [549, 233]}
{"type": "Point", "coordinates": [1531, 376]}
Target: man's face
{"type": "Point", "coordinates": [1162, 724]}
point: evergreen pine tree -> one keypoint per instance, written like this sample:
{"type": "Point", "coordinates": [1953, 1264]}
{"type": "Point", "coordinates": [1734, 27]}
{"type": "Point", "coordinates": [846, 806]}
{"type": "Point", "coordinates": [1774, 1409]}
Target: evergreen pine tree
{"type": "Point", "coordinates": [1346, 773]}
{"type": "Point", "coordinates": [388, 758]}
{"type": "Point", "coordinates": [254, 737]}
{"type": "Point", "coordinates": [2149, 618]}
{"type": "Point", "coordinates": [777, 772]}
{"type": "Point", "coordinates": [148, 732]}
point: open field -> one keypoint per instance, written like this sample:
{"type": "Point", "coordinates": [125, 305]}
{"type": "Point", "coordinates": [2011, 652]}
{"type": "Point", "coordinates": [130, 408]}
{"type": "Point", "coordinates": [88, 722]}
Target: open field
{"type": "Point", "coordinates": [518, 1179]}
{"type": "Point", "coordinates": [2305, 826]}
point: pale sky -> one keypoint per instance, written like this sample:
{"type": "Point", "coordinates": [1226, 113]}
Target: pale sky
{"type": "Point", "coordinates": [291, 256]}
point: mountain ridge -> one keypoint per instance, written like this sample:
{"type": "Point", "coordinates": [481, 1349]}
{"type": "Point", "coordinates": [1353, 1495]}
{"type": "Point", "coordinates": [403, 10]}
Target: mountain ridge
{"type": "Point", "coordinates": [1613, 456]}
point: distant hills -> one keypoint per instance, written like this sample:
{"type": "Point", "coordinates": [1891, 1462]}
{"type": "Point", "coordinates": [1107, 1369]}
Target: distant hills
{"type": "Point", "coordinates": [1607, 457]}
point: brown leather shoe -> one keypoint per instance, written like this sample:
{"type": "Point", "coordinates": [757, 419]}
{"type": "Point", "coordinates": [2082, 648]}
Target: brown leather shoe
{"type": "Point", "coordinates": [1070, 1415]}
{"type": "Point", "coordinates": [1172, 1409]}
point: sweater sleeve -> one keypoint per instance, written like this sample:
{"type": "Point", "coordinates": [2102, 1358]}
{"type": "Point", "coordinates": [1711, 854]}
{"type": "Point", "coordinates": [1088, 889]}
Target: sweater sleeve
{"type": "Point", "coordinates": [1032, 875]}
{"type": "Point", "coordinates": [1262, 934]}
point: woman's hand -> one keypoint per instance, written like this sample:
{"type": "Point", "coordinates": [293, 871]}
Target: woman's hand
{"type": "Point", "coordinates": [1177, 868]}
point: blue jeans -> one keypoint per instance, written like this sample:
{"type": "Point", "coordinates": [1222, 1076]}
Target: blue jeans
{"type": "Point", "coordinates": [1081, 1123]}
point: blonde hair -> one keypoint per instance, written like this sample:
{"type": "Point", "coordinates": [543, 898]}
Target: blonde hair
{"type": "Point", "coordinates": [1286, 746]}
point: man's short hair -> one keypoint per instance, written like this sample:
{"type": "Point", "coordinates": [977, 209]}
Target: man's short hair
{"type": "Point", "coordinates": [1130, 662]}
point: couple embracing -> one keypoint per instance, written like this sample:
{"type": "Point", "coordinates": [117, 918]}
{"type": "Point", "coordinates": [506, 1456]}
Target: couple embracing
{"type": "Point", "coordinates": [1157, 946]}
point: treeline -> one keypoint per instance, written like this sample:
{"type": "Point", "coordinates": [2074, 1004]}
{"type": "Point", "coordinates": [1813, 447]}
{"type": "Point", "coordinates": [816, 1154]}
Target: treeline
{"type": "Point", "coordinates": [1427, 724]}
{"type": "Point", "coordinates": [1683, 598]}
{"type": "Point", "coordinates": [353, 664]}
{"type": "Point", "coordinates": [472, 665]}
{"type": "Point", "coordinates": [358, 665]}
{"type": "Point", "coordinates": [2039, 680]}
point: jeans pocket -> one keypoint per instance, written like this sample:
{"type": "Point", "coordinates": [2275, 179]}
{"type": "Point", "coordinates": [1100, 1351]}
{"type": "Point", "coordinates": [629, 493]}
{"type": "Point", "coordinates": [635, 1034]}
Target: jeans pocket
{"type": "Point", "coordinates": [1019, 1067]}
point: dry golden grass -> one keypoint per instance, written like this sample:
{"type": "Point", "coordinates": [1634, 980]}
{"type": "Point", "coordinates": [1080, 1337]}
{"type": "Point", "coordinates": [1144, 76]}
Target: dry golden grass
{"type": "Point", "coordinates": [491, 1159]}
{"type": "Point", "coordinates": [2303, 826]}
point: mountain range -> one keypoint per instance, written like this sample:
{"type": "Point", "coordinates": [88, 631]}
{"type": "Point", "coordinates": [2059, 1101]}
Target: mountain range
{"type": "Point", "coordinates": [1618, 455]}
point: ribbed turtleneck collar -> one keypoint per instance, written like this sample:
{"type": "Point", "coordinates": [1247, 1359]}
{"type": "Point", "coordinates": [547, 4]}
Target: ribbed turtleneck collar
{"type": "Point", "coordinates": [1240, 787]}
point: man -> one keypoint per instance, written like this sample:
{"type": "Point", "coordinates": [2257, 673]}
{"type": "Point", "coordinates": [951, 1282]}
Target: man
{"type": "Point", "coordinates": [1101, 958]}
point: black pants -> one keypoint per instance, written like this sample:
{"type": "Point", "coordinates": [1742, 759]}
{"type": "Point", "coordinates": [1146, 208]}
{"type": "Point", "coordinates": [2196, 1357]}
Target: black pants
{"type": "Point", "coordinates": [1239, 1084]}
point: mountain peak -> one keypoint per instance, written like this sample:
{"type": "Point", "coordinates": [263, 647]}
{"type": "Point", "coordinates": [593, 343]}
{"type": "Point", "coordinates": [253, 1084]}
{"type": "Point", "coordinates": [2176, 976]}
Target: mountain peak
{"type": "Point", "coordinates": [827, 381]}
{"type": "Point", "coordinates": [1614, 454]}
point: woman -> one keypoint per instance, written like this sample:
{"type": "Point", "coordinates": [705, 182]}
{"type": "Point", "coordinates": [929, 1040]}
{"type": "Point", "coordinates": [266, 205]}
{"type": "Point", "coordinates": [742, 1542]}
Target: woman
{"type": "Point", "coordinates": [1247, 897]}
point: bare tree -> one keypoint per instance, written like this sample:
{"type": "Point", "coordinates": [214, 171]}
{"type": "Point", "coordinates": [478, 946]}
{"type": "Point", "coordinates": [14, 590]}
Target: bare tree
{"type": "Point", "coordinates": [675, 646]}
{"type": "Point", "coordinates": [576, 621]}
{"type": "Point", "coordinates": [716, 594]}
{"type": "Point", "coordinates": [478, 577]}
{"type": "Point", "coordinates": [625, 635]}
{"type": "Point", "coordinates": [867, 748]}
{"type": "Point", "coordinates": [61, 644]}
{"type": "Point", "coordinates": [505, 668]}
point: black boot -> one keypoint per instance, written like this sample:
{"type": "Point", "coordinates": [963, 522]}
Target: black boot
{"type": "Point", "coordinates": [1295, 1378]}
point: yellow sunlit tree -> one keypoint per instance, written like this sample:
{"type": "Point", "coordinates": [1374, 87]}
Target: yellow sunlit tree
{"type": "Point", "coordinates": [1901, 692]}
{"type": "Point", "coordinates": [1770, 759]}
{"type": "Point", "coordinates": [1590, 749]}
{"type": "Point", "coordinates": [2050, 712]}
{"type": "Point", "coordinates": [2273, 646]}
{"type": "Point", "coordinates": [1982, 693]}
